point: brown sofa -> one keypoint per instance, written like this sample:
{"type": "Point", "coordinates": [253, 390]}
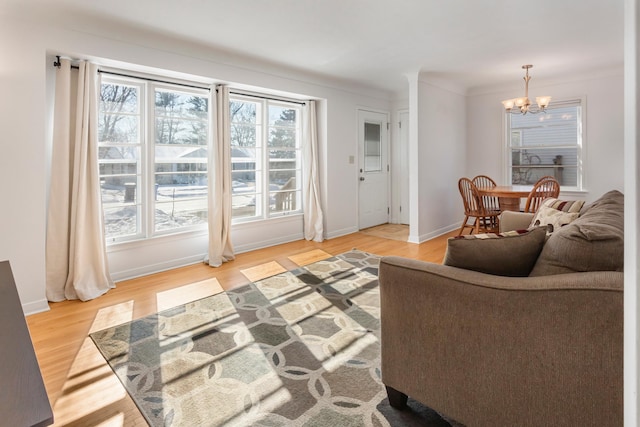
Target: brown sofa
{"type": "Point", "coordinates": [492, 350]}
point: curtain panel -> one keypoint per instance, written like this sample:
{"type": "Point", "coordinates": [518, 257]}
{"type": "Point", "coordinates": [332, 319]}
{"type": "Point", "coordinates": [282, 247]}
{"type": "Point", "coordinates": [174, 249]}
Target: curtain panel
{"type": "Point", "coordinates": [312, 208]}
{"type": "Point", "coordinates": [76, 259]}
{"type": "Point", "coordinates": [219, 194]}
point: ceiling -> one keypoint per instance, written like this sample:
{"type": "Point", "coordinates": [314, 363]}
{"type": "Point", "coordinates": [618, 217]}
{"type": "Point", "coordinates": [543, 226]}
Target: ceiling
{"type": "Point", "coordinates": [377, 42]}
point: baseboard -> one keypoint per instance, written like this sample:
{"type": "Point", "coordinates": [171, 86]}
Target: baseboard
{"type": "Point", "coordinates": [433, 234]}
{"type": "Point", "coordinates": [156, 268]}
{"type": "Point", "coordinates": [343, 232]}
{"type": "Point", "coordinates": [268, 243]}
{"type": "Point", "coordinates": [35, 307]}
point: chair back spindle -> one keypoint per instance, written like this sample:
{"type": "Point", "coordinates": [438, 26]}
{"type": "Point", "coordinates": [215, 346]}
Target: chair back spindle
{"type": "Point", "coordinates": [545, 187]}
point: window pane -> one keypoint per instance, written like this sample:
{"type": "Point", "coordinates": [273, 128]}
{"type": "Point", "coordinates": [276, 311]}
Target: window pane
{"type": "Point", "coordinates": [243, 206]}
{"type": "Point", "coordinates": [285, 201]}
{"type": "Point", "coordinates": [121, 221]}
{"type": "Point", "coordinates": [282, 180]}
{"type": "Point", "coordinates": [119, 98]}
{"type": "Point", "coordinates": [243, 112]}
{"type": "Point", "coordinates": [119, 165]}
{"type": "Point", "coordinates": [245, 123]}
{"type": "Point", "coordinates": [283, 154]}
{"type": "Point", "coordinates": [181, 105]}
{"type": "Point", "coordinates": [559, 126]}
{"type": "Point", "coordinates": [180, 210]}
{"type": "Point", "coordinates": [243, 135]}
{"type": "Point", "coordinates": [243, 182]}
{"type": "Point", "coordinates": [246, 194]}
{"type": "Point", "coordinates": [119, 113]}
{"type": "Point", "coordinates": [283, 127]}
{"type": "Point", "coordinates": [282, 137]}
{"type": "Point", "coordinates": [118, 128]}
{"type": "Point", "coordinates": [181, 118]}
{"type": "Point", "coordinates": [529, 165]}
{"type": "Point", "coordinates": [372, 143]}
{"type": "Point", "coordinates": [282, 116]}
{"type": "Point", "coordinates": [115, 153]}
{"type": "Point", "coordinates": [180, 163]}
{"type": "Point", "coordinates": [546, 144]}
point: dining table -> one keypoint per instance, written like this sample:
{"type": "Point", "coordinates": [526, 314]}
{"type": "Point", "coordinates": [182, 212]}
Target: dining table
{"type": "Point", "coordinates": [509, 196]}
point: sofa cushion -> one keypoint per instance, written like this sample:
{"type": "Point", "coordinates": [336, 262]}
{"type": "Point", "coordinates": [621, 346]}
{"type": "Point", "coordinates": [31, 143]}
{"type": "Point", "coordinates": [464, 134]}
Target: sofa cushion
{"type": "Point", "coordinates": [593, 242]}
{"type": "Point", "coordinates": [512, 253]}
{"type": "Point", "coordinates": [556, 213]}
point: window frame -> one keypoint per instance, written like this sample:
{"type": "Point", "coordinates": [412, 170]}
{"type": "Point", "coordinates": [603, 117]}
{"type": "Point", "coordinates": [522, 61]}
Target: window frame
{"type": "Point", "coordinates": [264, 126]}
{"type": "Point", "coordinates": [580, 146]}
{"type": "Point", "coordinates": [145, 201]}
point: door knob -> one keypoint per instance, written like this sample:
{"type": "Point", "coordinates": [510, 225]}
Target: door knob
{"type": "Point", "coordinates": [362, 178]}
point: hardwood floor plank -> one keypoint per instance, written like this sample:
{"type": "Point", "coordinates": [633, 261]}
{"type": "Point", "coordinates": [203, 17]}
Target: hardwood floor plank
{"type": "Point", "coordinates": [83, 390]}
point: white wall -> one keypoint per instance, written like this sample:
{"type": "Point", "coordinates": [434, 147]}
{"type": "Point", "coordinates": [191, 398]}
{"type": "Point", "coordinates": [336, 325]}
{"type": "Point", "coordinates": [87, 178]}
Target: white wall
{"type": "Point", "coordinates": [604, 131]}
{"type": "Point", "coordinates": [437, 143]}
{"type": "Point", "coordinates": [24, 72]}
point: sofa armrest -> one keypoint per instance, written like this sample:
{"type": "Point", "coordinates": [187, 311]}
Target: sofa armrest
{"type": "Point", "coordinates": [510, 220]}
{"type": "Point", "coordinates": [491, 350]}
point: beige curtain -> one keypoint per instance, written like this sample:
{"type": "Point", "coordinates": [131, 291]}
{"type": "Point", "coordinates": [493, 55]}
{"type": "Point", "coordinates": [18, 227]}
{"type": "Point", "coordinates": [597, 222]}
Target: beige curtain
{"type": "Point", "coordinates": [219, 194]}
{"type": "Point", "coordinates": [76, 260]}
{"type": "Point", "coordinates": [312, 209]}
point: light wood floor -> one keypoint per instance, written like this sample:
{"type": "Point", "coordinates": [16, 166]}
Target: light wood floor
{"type": "Point", "coordinates": [389, 231]}
{"type": "Point", "coordinates": [83, 390]}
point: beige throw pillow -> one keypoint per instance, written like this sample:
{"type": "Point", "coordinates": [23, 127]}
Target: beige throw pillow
{"type": "Point", "coordinates": [555, 213]}
{"type": "Point", "coordinates": [512, 253]}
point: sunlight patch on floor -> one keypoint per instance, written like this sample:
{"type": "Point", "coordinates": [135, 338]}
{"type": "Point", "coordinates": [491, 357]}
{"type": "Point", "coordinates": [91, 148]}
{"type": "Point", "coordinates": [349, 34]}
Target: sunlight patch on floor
{"type": "Point", "coordinates": [187, 293]}
{"type": "Point", "coordinates": [263, 271]}
{"type": "Point", "coordinates": [310, 257]}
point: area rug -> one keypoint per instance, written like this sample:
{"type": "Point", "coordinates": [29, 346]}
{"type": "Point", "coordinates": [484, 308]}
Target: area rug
{"type": "Point", "coordinates": [297, 349]}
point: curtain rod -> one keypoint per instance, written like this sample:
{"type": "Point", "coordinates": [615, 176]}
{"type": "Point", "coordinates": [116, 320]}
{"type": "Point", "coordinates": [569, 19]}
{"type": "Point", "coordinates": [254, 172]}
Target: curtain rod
{"type": "Point", "coordinates": [149, 79]}
{"type": "Point", "coordinates": [268, 97]}
{"type": "Point", "coordinates": [58, 64]}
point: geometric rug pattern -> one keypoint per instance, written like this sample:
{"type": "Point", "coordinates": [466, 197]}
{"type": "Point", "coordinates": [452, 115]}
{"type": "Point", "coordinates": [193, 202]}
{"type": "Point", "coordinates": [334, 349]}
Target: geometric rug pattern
{"type": "Point", "coordinates": [300, 348]}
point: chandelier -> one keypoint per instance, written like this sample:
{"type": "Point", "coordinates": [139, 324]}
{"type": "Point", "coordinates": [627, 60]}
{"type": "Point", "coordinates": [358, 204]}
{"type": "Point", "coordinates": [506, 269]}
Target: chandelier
{"type": "Point", "coordinates": [523, 105]}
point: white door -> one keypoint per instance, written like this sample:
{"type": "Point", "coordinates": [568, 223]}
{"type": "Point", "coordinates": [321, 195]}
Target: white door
{"type": "Point", "coordinates": [373, 165]}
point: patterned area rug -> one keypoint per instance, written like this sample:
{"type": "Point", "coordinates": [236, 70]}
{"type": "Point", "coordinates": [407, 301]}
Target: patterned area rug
{"type": "Point", "coordinates": [297, 349]}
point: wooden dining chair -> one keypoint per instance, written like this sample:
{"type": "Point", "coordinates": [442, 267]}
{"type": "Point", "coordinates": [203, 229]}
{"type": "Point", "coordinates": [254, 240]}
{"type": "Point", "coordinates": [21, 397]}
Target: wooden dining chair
{"type": "Point", "coordinates": [485, 220]}
{"type": "Point", "coordinates": [545, 187]}
{"type": "Point", "coordinates": [484, 181]}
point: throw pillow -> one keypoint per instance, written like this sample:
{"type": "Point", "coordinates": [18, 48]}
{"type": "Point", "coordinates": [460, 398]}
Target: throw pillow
{"type": "Point", "coordinates": [512, 253]}
{"type": "Point", "coordinates": [555, 213]}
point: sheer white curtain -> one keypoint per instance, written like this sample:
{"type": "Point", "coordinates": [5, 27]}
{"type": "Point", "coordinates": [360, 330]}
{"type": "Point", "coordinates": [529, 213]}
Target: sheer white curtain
{"type": "Point", "coordinates": [312, 209]}
{"type": "Point", "coordinates": [219, 195]}
{"type": "Point", "coordinates": [76, 257]}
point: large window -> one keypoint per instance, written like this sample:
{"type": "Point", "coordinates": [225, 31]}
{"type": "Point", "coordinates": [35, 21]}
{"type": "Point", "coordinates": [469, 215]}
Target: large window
{"type": "Point", "coordinates": [265, 157]}
{"type": "Point", "coordinates": [547, 143]}
{"type": "Point", "coordinates": [153, 158]}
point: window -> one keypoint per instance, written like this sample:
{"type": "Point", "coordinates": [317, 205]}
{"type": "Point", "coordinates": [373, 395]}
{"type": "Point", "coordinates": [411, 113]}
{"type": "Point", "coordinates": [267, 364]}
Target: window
{"type": "Point", "coordinates": [548, 143]}
{"type": "Point", "coordinates": [265, 158]}
{"type": "Point", "coordinates": [152, 142]}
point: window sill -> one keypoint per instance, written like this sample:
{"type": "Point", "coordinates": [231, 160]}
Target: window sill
{"type": "Point", "coordinates": [141, 243]}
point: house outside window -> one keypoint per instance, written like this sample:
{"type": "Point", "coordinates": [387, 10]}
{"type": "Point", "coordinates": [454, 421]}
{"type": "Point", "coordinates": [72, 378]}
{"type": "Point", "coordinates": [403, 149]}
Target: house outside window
{"type": "Point", "coordinates": [152, 141]}
{"type": "Point", "coordinates": [548, 143]}
{"type": "Point", "coordinates": [265, 158]}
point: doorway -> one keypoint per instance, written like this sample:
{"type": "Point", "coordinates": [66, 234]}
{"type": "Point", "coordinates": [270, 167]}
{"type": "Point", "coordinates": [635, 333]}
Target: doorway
{"type": "Point", "coordinates": [373, 168]}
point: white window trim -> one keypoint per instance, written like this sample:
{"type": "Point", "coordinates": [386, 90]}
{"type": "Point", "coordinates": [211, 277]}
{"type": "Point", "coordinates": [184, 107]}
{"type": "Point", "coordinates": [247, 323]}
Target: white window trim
{"type": "Point", "coordinates": [582, 146]}
{"type": "Point", "coordinates": [267, 100]}
{"type": "Point", "coordinates": [146, 179]}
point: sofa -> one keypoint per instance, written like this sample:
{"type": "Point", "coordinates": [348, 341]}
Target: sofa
{"type": "Point", "coordinates": [524, 328]}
